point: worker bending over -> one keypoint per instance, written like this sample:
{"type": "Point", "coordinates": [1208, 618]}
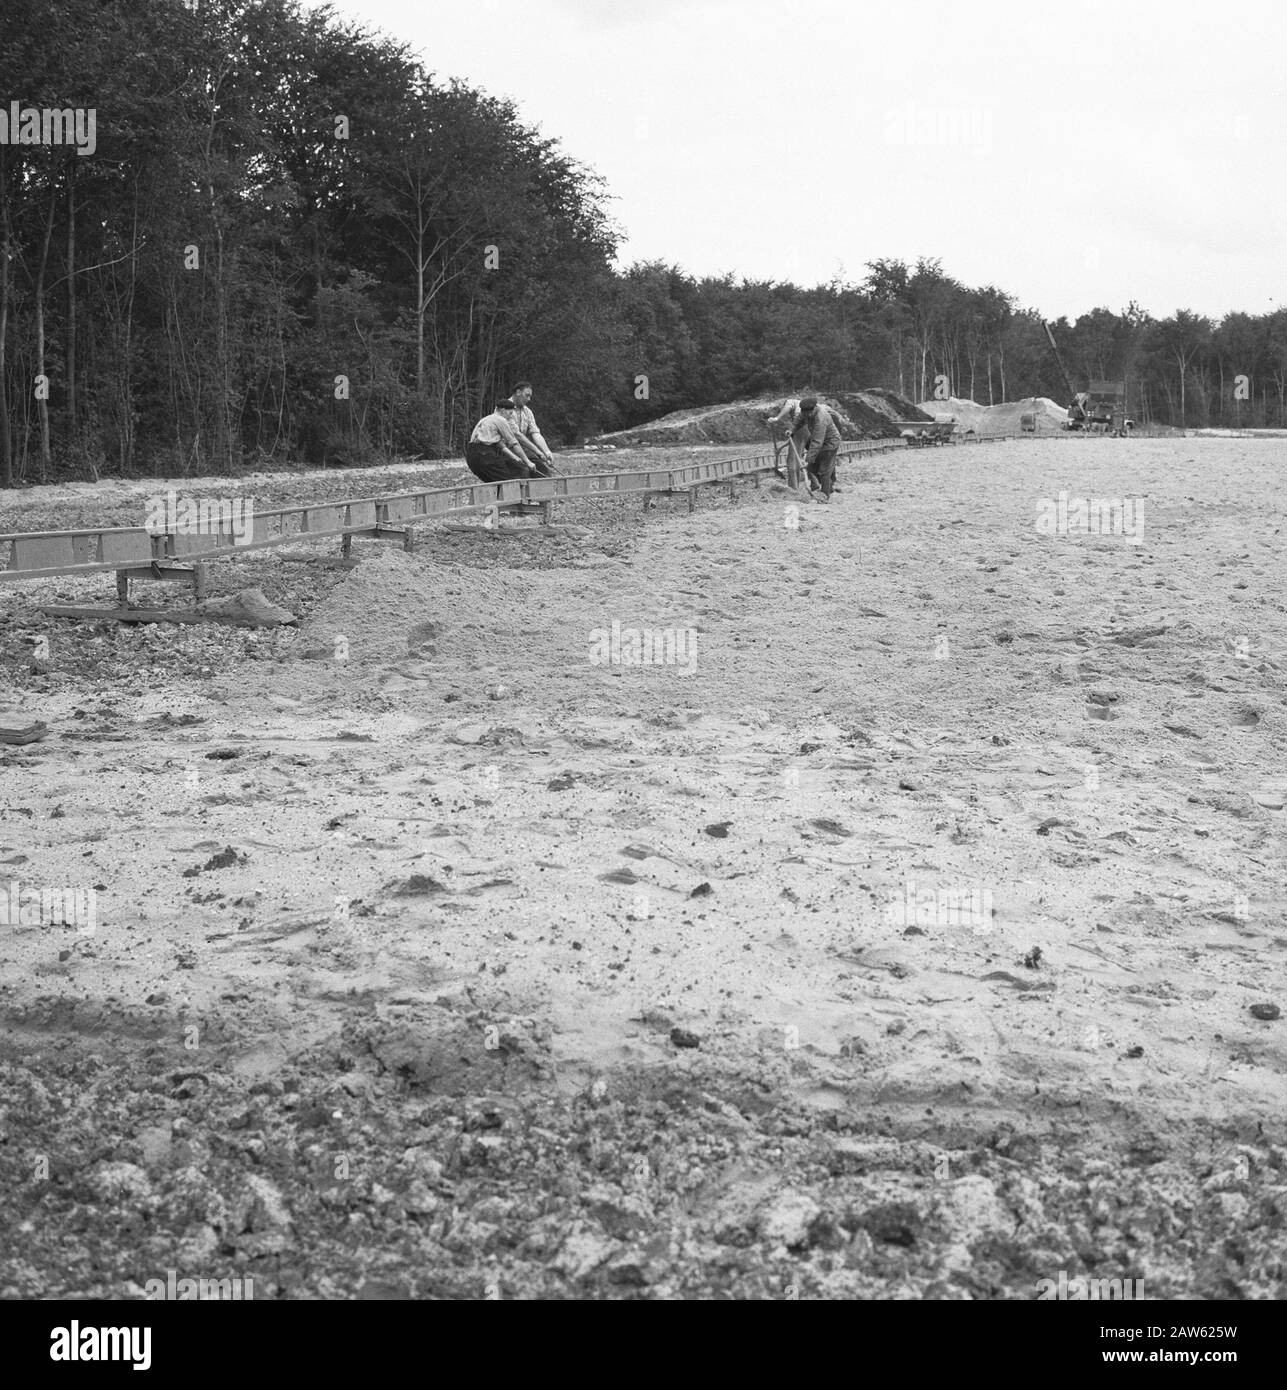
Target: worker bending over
{"type": "Point", "coordinates": [789, 418]}
{"type": "Point", "coordinates": [494, 453]}
{"type": "Point", "coordinates": [818, 440]}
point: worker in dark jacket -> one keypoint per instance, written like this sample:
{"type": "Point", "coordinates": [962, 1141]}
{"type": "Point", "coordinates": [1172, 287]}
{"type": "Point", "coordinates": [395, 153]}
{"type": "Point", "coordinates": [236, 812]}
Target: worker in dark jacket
{"type": "Point", "coordinates": [818, 440]}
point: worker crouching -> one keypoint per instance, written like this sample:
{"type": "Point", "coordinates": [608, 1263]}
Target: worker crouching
{"type": "Point", "coordinates": [494, 453]}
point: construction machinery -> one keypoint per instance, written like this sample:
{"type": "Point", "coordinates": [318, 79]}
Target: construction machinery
{"type": "Point", "coordinates": [1106, 408]}
{"type": "Point", "coordinates": [1101, 408]}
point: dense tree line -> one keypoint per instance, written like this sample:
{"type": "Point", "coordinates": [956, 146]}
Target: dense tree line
{"type": "Point", "coordinates": [919, 331]}
{"type": "Point", "coordinates": [291, 242]}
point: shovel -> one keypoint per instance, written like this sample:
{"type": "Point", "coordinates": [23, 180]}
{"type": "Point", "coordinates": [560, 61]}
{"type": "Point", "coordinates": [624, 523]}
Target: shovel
{"type": "Point", "coordinates": [796, 471]}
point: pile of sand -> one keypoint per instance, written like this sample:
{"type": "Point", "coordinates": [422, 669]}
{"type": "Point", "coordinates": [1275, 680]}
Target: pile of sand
{"type": "Point", "coordinates": [869, 414]}
{"type": "Point", "coordinates": [998, 419]}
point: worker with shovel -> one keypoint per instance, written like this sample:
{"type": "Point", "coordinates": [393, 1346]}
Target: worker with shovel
{"type": "Point", "coordinates": [789, 417]}
{"type": "Point", "coordinates": [817, 437]}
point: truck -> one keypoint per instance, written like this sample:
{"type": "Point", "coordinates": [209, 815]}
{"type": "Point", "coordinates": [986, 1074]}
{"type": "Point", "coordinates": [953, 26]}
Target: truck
{"type": "Point", "coordinates": [1101, 408]}
{"type": "Point", "coordinates": [1106, 408]}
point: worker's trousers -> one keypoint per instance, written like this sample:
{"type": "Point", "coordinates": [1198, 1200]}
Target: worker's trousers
{"type": "Point", "coordinates": [823, 469]}
{"type": "Point", "coordinates": [486, 461]}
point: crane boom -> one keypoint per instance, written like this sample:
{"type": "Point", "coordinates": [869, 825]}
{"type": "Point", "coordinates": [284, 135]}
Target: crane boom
{"type": "Point", "coordinates": [1072, 394]}
{"type": "Point", "coordinates": [1076, 399]}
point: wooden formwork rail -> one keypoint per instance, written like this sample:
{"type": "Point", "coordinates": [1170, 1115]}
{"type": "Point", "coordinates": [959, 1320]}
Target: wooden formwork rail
{"type": "Point", "coordinates": [143, 551]}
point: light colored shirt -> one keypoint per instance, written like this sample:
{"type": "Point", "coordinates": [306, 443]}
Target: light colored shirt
{"type": "Point", "coordinates": [816, 432]}
{"type": "Point", "coordinates": [789, 415]}
{"type": "Point", "coordinates": [494, 429]}
{"type": "Point", "coordinates": [526, 426]}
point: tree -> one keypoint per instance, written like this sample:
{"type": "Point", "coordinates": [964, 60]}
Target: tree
{"type": "Point", "coordinates": [1182, 337]}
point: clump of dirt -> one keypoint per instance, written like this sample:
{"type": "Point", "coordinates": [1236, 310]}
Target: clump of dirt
{"type": "Point", "coordinates": [247, 608]}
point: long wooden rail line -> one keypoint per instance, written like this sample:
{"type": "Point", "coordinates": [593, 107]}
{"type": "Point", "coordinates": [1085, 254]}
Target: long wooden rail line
{"type": "Point", "coordinates": [137, 552]}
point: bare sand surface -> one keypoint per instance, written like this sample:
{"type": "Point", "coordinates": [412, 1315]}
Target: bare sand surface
{"type": "Point", "coordinates": [426, 851]}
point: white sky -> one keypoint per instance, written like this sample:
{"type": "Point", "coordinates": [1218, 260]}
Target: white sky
{"type": "Point", "coordinates": [1076, 155]}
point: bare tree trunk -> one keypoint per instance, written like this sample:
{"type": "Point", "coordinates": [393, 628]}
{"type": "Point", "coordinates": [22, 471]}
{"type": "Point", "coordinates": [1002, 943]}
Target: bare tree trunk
{"type": "Point", "coordinates": [223, 421]}
{"type": "Point", "coordinates": [223, 416]}
{"type": "Point", "coordinates": [71, 297]}
{"type": "Point", "coordinates": [6, 442]}
{"type": "Point", "coordinates": [42, 402]}
{"type": "Point", "coordinates": [127, 358]}
{"type": "Point", "coordinates": [420, 310]}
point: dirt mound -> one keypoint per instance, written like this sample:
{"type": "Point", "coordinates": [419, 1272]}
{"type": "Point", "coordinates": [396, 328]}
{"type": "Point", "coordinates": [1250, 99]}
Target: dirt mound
{"type": "Point", "coordinates": [866, 414]}
{"type": "Point", "coordinates": [1004, 418]}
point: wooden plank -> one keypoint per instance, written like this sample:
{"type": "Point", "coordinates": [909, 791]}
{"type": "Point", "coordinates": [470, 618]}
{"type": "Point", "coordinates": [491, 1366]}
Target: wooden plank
{"type": "Point", "coordinates": [360, 514]}
{"type": "Point", "coordinates": [126, 547]}
{"type": "Point", "coordinates": [162, 571]}
{"type": "Point", "coordinates": [127, 615]}
{"type": "Point", "coordinates": [42, 552]}
{"type": "Point", "coordinates": [330, 519]}
{"type": "Point", "coordinates": [439, 503]}
{"type": "Point", "coordinates": [399, 509]}
{"type": "Point", "coordinates": [181, 544]}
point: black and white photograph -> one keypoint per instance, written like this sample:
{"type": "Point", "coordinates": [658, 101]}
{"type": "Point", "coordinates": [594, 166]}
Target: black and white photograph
{"type": "Point", "coordinates": [643, 658]}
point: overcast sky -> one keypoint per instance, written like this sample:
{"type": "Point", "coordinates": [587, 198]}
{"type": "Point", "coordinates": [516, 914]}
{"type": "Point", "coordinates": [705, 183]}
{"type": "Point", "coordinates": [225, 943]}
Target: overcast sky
{"type": "Point", "coordinates": [1075, 155]}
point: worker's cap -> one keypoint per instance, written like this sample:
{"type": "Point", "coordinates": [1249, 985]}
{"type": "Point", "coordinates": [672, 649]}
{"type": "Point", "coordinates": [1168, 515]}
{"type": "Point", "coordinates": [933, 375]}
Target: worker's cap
{"type": "Point", "coordinates": [507, 404]}
{"type": "Point", "coordinates": [809, 403]}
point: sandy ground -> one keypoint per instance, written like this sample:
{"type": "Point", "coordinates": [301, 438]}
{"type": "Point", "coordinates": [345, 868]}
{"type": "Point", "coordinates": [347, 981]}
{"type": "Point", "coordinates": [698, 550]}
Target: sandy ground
{"type": "Point", "coordinates": [428, 852]}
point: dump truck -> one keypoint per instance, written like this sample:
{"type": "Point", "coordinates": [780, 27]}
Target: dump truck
{"type": "Point", "coordinates": [1106, 408]}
